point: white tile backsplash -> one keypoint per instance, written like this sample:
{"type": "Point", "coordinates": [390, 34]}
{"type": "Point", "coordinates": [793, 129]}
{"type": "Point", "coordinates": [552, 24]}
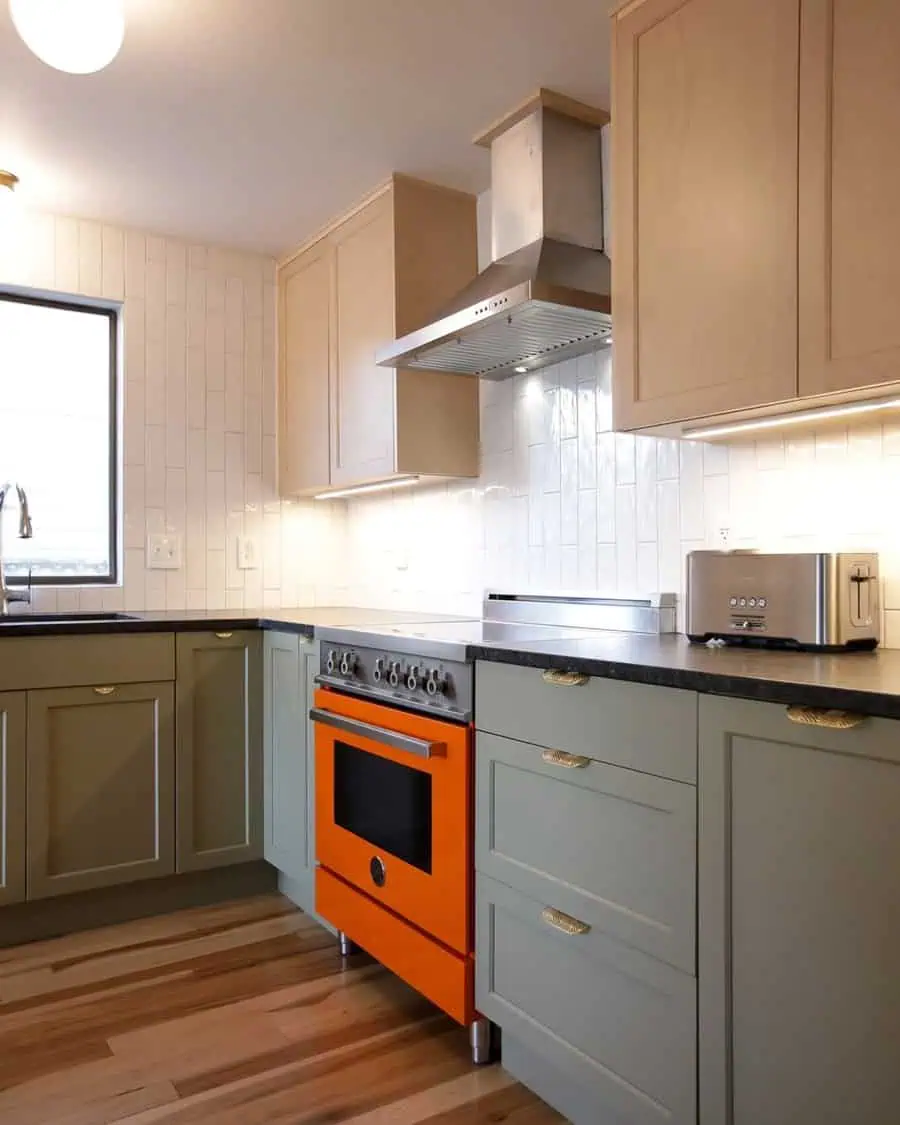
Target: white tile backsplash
{"type": "Point", "coordinates": [574, 506]}
{"type": "Point", "coordinates": [198, 450]}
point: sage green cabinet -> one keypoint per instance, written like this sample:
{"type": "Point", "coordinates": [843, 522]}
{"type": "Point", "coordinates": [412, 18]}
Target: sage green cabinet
{"type": "Point", "coordinates": [12, 797]}
{"type": "Point", "coordinates": [289, 663]}
{"type": "Point", "coordinates": [219, 734]}
{"type": "Point", "coordinates": [101, 786]}
{"type": "Point", "coordinates": [799, 917]}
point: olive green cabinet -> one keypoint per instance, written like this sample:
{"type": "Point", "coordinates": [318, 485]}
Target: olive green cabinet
{"type": "Point", "coordinates": [12, 797]}
{"type": "Point", "coordinates": [289, 664]}
{"type": "Point", "coordinates": [100, 786]}
{"type": "Point", "coordinates": [799, 916]}
{"type": "Point", "coordinates": [219, 733]}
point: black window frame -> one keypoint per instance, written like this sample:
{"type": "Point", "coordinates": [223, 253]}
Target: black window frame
{"type": "Point", "coordinates": [111, 313]}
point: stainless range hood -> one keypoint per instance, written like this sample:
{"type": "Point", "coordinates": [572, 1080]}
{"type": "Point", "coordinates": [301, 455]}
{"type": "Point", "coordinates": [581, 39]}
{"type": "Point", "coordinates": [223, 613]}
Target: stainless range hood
{"type": "Point", "coordinates": [546, 295]}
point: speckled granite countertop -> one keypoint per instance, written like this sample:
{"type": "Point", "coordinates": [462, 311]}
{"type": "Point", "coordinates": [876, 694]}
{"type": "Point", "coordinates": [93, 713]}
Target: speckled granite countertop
{"type": "Point", "coordinates": [867, 682]}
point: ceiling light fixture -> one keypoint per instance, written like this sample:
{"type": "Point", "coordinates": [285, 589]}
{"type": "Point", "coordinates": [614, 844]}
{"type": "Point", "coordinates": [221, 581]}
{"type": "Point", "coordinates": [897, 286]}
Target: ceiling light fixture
{"type": "Point", "coordinates": [360, 489]}
{"type": "Point", "coordinates": [8, 183]}
{"type": "Point", "coordinates": [801, 417]}
{"type": "Point", "coordinates": [75, 36]}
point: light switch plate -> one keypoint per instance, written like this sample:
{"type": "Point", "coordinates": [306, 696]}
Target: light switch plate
{"type": "Point", "coordinates": [247, 553]}
{"type": "Point", "coordinates": [163, 551]}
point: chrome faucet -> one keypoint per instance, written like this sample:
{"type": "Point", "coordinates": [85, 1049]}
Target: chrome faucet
{"type": "Point", "coordinates": [7, 595]}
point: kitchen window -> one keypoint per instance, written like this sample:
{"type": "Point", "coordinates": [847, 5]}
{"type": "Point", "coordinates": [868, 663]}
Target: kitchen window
{"type": "Point", "coordinates": [58, 438]}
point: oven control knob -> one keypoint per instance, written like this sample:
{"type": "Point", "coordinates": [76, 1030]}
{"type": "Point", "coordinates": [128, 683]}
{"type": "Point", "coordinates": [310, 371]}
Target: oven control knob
{"type": "Point", "coordinates": [412, 678]}
{"type": "Point", "coordinates": [378, 670]}
{"type": "Point", "coordinates": [331, 662]}
{"type": "Point", "coordinates": [394, 674]}
{"type": "Point", "coordinates": [348, 664]}
{"type": "Point", "coordinates": [378, 871]}
{"type": "Point", "coordinates": [435, 684]}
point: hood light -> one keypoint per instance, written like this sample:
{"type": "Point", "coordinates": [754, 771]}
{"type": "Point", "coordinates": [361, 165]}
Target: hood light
{"type": "Point", "coordinates": [75, 36]}
{"type": "Point", "coordinates": [361, 489]}
{"type": "Point", "coordinates": [797, 419]}
{"type": "Point", "coordinates": [520, 370]}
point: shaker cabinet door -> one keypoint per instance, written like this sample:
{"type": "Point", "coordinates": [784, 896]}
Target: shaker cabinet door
{"type": "Point", "coordinates": [799, 908]}
{"type": "Point", "coordinates": [705, 119]}
{"type": "Point", "coordinates": [219, 744]}
{"type": "Point", "coordinates": [849, 188]}
{"type": "Point", "coordinates": [12, 797]}
{"type": "Point", "coordinates": [101, 787]}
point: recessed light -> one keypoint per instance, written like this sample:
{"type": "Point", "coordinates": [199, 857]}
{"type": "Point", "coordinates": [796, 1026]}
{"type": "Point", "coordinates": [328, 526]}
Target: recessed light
{"type": "Point", "coordinates": [75, 36]}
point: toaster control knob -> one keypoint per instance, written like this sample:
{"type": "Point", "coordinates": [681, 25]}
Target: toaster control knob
{"type": "Point", "coordinates": [348, 664]}
{"type": "Point", "coordinates": [394, 674]}
{"type": "Point", "coordinates": [378, 670]}
{"type": "Point", "coordinates": [412, 678]}
{"type": "Point", "coordinates": [331, 662]}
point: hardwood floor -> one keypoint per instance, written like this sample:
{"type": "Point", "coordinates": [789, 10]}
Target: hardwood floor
{"type": "Point", "coordinates": [240, 1014]}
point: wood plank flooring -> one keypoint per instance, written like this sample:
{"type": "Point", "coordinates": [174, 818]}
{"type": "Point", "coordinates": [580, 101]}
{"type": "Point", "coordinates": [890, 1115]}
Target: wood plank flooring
{"type": "Point", "coordinates": [240, 1014]}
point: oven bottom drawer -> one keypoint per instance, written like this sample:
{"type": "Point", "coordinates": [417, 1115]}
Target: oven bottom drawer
{"type": "Point", "coordinates": [446, 979]}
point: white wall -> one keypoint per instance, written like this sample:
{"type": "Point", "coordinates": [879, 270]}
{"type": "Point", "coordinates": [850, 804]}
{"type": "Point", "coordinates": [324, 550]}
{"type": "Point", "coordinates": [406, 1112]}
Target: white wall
{"type": "Point", "coordinates": [199, 417]}
{"type": "Point", "coordinates": [565, 504]}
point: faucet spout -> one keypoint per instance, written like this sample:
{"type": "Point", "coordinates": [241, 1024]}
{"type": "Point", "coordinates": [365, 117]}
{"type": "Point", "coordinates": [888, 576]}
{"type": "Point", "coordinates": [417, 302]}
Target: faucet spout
{"type": "Point", "coordinates": [7, 595]}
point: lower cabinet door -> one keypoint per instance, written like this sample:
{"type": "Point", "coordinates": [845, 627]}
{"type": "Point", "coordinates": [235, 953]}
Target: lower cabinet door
{"type": "Point", "coordinates": [219, 735]}
{"type": "Point", "coordinates": [12, 797]}
{"type": "Point", "coordinates": [287, 761]}
{"type": "Point", "coordinates": [599, 1030]}
{"type": "Point", "coordinates": [101, 787]}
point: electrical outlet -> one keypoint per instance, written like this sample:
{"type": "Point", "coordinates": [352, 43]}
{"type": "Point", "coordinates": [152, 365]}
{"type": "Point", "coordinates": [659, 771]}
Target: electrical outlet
{"type": "Point", "coordinates": [724, 536]}
{"type": "Point", "coordinates": [247, 553]}
{"type": "Point", "coordinates": [163, 552]}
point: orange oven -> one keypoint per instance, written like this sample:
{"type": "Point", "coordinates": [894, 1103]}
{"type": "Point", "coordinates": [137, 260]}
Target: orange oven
{"type": "Point", "coordinates": [394, 840]}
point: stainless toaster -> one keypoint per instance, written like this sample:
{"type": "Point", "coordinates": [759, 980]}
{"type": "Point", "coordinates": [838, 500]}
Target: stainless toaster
{"type": "Point", "coordinates": [816, 601]}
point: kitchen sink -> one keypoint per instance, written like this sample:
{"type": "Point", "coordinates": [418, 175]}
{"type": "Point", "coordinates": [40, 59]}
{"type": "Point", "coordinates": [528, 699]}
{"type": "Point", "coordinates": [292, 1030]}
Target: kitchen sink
{"type": "Point", "coordinates": [64, 618]}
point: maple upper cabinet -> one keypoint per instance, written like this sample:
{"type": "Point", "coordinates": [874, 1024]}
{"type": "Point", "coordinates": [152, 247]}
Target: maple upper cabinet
{"type": "Point", "coordinates": [704, 119]}
{"type": "Point", "coordinates": [376, 274]}
{"type": "Point", "coordinates": [849, 193]}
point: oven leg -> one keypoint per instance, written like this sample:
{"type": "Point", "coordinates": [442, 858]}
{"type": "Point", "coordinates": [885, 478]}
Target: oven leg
{"type": "Point", "coordinates": [480, 1040]}
{"type": "Point", "coordinates": [347, 946]}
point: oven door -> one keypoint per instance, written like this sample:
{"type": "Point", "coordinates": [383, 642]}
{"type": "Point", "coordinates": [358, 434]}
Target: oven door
{"type": "Point", "coordinates": [394, 810]}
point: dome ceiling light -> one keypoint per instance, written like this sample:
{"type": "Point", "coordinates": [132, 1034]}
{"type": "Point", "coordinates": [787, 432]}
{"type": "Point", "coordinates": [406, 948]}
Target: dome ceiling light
{"type": "Point", "coordinates": [75, 36]}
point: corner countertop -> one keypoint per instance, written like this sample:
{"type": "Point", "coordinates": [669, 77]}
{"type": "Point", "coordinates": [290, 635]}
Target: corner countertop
{"type": "Point", "coordinates": [866, 682]}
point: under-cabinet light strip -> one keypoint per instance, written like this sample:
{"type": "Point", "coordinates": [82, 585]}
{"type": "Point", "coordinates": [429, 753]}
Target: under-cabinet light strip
{"type": "Point", "coordinates": [359, 489]}
{"type": "Point", "coordinates": [797, 419]}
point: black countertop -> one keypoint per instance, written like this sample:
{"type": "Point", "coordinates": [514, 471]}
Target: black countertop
{"type": "Point", "coordinates": [867, 682]}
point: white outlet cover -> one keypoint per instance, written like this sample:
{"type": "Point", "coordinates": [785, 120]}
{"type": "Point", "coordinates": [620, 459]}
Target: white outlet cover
{"type": "Point", "coordinates": [163, 551]}
{"type": "Point", "coordinates": [247, 553]}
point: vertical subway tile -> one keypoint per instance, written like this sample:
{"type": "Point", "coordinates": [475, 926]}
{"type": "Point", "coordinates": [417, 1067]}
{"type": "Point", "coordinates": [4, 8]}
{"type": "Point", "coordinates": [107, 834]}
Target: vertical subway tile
{"type": "Point", "coordinates": [90, 259]}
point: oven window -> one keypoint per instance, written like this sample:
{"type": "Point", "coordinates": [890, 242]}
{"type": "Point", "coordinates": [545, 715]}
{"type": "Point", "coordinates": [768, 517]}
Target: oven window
{"type": "Point", "coordinates": [385, 803]}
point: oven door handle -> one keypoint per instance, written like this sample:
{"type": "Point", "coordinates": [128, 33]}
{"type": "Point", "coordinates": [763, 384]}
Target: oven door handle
{"type": "Point", "coordinates": [418, 746]}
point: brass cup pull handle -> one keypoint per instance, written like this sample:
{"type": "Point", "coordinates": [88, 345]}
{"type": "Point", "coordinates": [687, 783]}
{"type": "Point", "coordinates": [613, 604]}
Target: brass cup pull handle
{"type": "Point", "coordinates": [564, 760]}
{"type": "Point", "coordinates": [563, 679]}
{"type": "Point", "coordinates": [825, 717]}
{"type": "Point", "coordinates": [104, 690]}
{"type": "Point", "coordinates": [224, 636]}
{"type": "Point", "coordinates": [564, 922]}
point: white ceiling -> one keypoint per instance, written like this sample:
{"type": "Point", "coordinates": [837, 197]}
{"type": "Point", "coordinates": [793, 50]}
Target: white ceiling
{"type": "Point", "coordinates": [252, 122]}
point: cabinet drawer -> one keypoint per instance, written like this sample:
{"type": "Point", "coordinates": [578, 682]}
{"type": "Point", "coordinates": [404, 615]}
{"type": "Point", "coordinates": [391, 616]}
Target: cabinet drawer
{"type": "Point", "coordinates": [646, 728]}
{"type": "Point", "coordinates": [614, 1025]}
{"type": "Point", "coordinates": [27, 663]}
{"type": "Point", "coordinates": [615, 848]}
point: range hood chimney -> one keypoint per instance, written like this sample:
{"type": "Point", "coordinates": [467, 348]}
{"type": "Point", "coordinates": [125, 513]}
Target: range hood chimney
{"type": "Point", "coordinates": [546, 295]}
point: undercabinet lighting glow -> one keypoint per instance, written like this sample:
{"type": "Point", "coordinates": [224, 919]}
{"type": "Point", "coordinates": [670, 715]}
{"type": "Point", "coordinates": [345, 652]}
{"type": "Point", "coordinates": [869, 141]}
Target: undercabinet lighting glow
{"type": "Point", "coordinates": [359, 489]}
{"type": "Point", "coordinates": [803, 416]}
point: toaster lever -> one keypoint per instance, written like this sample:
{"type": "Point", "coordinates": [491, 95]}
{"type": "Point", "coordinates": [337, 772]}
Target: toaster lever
{"type": "Point", "coordinates": [860, 600]}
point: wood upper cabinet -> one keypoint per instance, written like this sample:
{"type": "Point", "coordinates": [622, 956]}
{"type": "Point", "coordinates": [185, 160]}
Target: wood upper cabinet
{"type": "Point", "coordinates": [305, 324]}
{"type": "Point", "coordinates": [799, 902]}
{"type": "Point", "coordinates": [219, 749]}
{"type": "Point", "coordinates": [705, 119]}
{"type": "Point", "coordinates": [849, 191]}
{"type": "Point", "coordinates": [101, 787]}
{"type": "Point", "coordinates": [376, 274]}
{"type": "Point", "coordinates": [12, 797]}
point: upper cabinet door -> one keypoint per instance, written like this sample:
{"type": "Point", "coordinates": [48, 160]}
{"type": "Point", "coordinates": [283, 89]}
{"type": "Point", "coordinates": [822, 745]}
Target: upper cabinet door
{"type": "Point", "coordinates": [849, 187]}
{"type": "Point", "coordinates": [362, 435]}
{"type": "Point", "coordinates": [306, 326]}
{"type": "Point", "coordinates": [705, 120]}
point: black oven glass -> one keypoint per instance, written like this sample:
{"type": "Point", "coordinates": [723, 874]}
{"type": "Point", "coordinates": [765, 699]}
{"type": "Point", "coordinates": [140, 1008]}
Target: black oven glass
{"type": "Point", "coordinates": [385, 803]}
